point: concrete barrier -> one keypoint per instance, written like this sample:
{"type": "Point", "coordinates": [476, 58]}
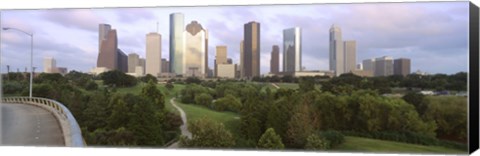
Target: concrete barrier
{"type": "Point", "coordinates": [70, 128]}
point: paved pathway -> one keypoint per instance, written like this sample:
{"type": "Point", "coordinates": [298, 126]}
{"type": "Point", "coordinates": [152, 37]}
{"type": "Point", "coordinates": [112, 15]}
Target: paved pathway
{"type": "Point", "coordinates": [275, 85]}
{"type": "Point", "coordinates": [28, 125]}
{"type": "Point", "coordinates": [184, 127]}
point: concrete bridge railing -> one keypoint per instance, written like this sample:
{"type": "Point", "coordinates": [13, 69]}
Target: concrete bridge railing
{"type": "Point", "coordinates": [70, 128]}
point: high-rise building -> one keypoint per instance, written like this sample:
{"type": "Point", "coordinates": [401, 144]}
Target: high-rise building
{"type": "Point", "coordinates": [143, 65]}
{"type": "Point", "coordinates": [369, 65]}
{"type": "Point", "coordinates": [133, 62]}
{"type": "Point", "coordinates": [241, 60]}
{"type": "Point", "coordinates": [292, 50]}
{"type": "Point", "coordinates": [383, 66]}
{"type": "Point", "coordinates": [195, 51]}
{"type": "Point", "coordinates": [401, 66]}
{"type": "Point", "coordinates": [108, 55]}
{"type": "Point", "coordinates": [275, 60]}
{"type": "Point", "coordinates": [251, 49]}
{"type": "Point", "coordinates": [336, 50]}
{"type": "Point", "coordinates": [165, 66]}
{"type": "Point", "coordinates": [229, 61]}
{"type": "Point", "coordinates": [359, 66]}
{"type": "Point", "coordinates": [49, 65]}
{"type": "Point", "coordinates": [122, 61]}
{"type": "Point", "coordinates": [350, 54]}
{"type": "Point", "coordinates": [103, 30]}
{"type": "Point", "coordinates": [206, 53]}
{"type": "Point", "coordinates": [226, 71]}
{"type": "Point", "coordinates": [154, 54]}
{"type": "Point", "coordinates": [176, 43]}
{"type": "Point", "coordinates": [220, 57]}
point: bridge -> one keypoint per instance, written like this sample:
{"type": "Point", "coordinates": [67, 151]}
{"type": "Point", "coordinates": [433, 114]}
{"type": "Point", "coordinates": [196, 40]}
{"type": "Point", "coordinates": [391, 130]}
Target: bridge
{"type": "Point", "coordinates": [37, 122]}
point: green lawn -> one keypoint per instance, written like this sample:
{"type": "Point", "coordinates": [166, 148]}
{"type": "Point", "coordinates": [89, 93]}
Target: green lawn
{"type": "Point", "coordinates": [288, 85]}
{"type": "Point", "coordinates": [358, 144]}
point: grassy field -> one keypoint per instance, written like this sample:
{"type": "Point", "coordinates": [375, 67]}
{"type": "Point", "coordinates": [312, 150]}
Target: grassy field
{"type": "Point", "coordinates": [358, 144]}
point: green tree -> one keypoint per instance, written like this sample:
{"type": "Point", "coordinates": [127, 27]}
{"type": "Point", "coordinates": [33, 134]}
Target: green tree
{"type": "Point", "coordinates": [306, 84]}
{"type": "Point", "coordinates": [118, 79]}
{"type": "Point", "coordinates": [203, 99]}
{"type": "Point", "coordinates": [151, 92]}
{"type": "Point", "coordinates": [147, 78]}
{"type": "Point", "coordinates": [315, 142]}
{"type": "Point", "coordinates": [302, 123]}
{"type": "Point", "coordinates": [417, 100]}
{"type": "Point", "coordinates": [270, 140]}
{"type": "Point", "coordinates": [207, 133]}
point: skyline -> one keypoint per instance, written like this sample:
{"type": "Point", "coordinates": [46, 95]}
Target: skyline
{"type": "Point", "coordinates": [400, 36]}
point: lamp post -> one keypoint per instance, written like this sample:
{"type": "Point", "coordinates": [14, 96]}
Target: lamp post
{"type": "Point", "coordinates": [31, 54]}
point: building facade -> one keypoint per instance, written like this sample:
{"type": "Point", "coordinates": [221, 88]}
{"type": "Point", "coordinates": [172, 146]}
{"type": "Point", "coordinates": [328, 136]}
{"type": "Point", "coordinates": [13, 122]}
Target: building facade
{"type": "Point", "coordinates": [241, 60]}
{"type": "Point", "coordinates": [275, 59]}
{"type": "Point", "coordinates": [108, 55]}
{"type": "Point", "coordinates": [220, 57]}
{"type": "Point", "coordinates": [49, 65]}
{"type": "Point", "coordinates": [292, 49]}
{"type": "Point", "coordinates": [383, 66]}
{"type": "Point", "coordinates": [133, 62]}
{"type": "Point", "coordinates": [195, 51]}
{"type": "Point", "coordinates": [336, 58]}
{"type": "Point", "coordinates": [350, 55]}
{"type": "Point", "coordinates": [401, 66]}
{"type": "Point", "coordinates": [154, 54]}
{"type": "Point", "coordinates": [227, 71]}
{"type": "Point", "coordinates": [176, 43]}
{"type": "Point", "coordinates": [122, 61]}
{"type": "Point", "coordinates": [251, 49]}
{"type": "Point", "coordinates": [103, 30]}
{"type": "Point", "coordinates": [369, 65]}
{"type": "Point", "coordinates": [165, 66]}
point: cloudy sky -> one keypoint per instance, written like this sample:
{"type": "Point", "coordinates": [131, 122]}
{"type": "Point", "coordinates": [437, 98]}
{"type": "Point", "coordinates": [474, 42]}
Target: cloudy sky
{"type": "Point", "coordinates": [433, 35]}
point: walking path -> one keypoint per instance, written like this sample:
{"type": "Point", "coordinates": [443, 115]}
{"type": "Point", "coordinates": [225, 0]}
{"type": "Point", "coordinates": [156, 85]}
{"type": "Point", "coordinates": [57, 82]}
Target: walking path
{"type": "Point", "coordinates": [275, 85]}
{"type": "Point", "coordinates": [183, 128]}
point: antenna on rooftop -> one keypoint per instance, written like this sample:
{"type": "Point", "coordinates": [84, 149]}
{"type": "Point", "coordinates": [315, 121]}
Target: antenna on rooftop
{"type": "Point", "coordinates": [157, 27]}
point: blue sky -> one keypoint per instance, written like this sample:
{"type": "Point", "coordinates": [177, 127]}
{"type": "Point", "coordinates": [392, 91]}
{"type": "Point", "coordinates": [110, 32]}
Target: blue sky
{"type": "Point", "coordinates": [433, 35]}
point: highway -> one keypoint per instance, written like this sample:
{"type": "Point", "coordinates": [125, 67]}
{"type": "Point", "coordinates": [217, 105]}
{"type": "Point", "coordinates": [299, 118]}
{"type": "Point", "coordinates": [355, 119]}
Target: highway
{"type": "Point", "coordinates": [28, 125]}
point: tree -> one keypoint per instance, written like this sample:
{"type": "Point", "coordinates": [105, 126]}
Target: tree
{"type": "Point", "coordinates": [306, 84]}
{"type": "Point", "coordinates": [270, 140]}
{"type": "Point", "coordinates": [204, 99]}
{"type": "Point", "coordinates": [207, 133]}
{"type": "Point", "coordinates": [169, 85]}
{"type": "Point", "coordinates": [118, 79]}
{"type": "Point", "coordinates": [151, 92]}
{"type": "Point", "coordinates": [315, 142]}
{"type": "Point", "coordinates": [417, 100]}
{"type": "Point", "coordinates": [302, 124]}
{"type": "Point", "coordinates": [147, 78]}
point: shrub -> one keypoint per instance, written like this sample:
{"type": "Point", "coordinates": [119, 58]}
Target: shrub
{"type": "Point", "coordinates": [335, 138]}
{"type": "Point", "coordinates": [315, 142]}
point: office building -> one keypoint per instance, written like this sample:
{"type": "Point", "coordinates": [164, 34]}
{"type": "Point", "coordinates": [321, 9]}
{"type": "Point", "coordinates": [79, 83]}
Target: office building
{"type": "Point", "coordinates": [220, 57]}
{"type": "Point", "coordinates": [154, 54]}
{"type": "Point", "coordinates": [241, 60]}
{"type": "Point", "coordinates": [369, 65]}
{"type": "Point", "coordinates": [383, 66]}
{"type": "Point", "coordinates": [133, 62]}
{"type": "Point", "coordinates": [49, 65]}
{"type": "Point", "coordinates": [251, 49]}
{"type": "Point", "coordinates": [401, 66]}
{"type": "Point", "coordinates": [108, 55]}
{"type": "Point", "coordinates": [103, 30]}
{"type": "Point", "coordinates": [195, 51]}
{"type": "Point", "coordinates": [360, 66]}
{"type": "Point", "coordinates": [206, 53]}
{"type": "Point", "coordinates": [61, 70]}
{"type": "Point", "coordinates": [336, 59]}
{"type": "Point", "coordinates": [229, 61]}
{"type": "Point", "coordinates": [165, 66]}
{"type": "Point", "coordinates": [350, 55]}
{"type": "Point", "coordinates": [176, 43]}
{"type": "Point", "coordinates": [122, 61]}
{"type": "Point", "coordinates": [275, 60]}
{"type": "Point", "coordinates": [292, 50]}
{"type": "Point", "coordinates": [226, 71]}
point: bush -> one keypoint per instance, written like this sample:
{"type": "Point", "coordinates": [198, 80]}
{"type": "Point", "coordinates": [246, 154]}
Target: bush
{"type": "Point", "coordinates": [13, 87]}
{"type": "Point", "coordinates": [203, 99]}
{"type": "Point", "coordinates": [118, 79]}
{"type": "Point", "coordinates": [315, 142]}
{"type": "Point", "coordinates": [333, 137]}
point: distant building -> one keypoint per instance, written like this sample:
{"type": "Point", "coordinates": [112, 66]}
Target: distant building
{"type": "Point", "coordinates": [49, 65]}
{"type": "Point", "coordinates": [369, 65]}
{"type": "Point", "coordinates": [227, 71]}
{"type": "Point", "coordinates": [350, 54]}
{"type": "Point", "coordinates": [133, 62]}
{"type": "Point", "coordinates": [241, 60]}
{"type": "Point", "coordinates": [98, 70]}
{"type": "Point", "coordinates": [165, 66]}
{"type": "Point", "coordinates": [103, 30]}
{"type": "Point", "coordinates": [275, 60]}
{"type": "Point", "coordinates": [154, 54]}
{"type": "Point", "coordinates": [383, 66]}
{"type": "Point", "coordinates": [401, 66]}
{"type": "Point", "coordinates": [304, 73]}
{"type": "Point", "coordinates": [359, 66]}
{"type": "Point", "coordinates": [220, 57]}
{"type": "Point", "coordinates": [251, 49]}
{"type": "Point", "coordinates": [176, 43]}
{"type": "Point", "coordinates": [108, 55]}
{"type": "Point", "coordinates": [362, 73]}
{"type": "Point", "coordinates": [122, 62]}
{"type": "Point", "coordinates": [143, 63]}
{"type": "Point", "coordinates": [229, 61]}
{"type": "Point", "coordinates": [292, 49]}
{"type": "Point", "coordinates": [336, 53]}
{"type": "Point", "coordinates": [195, 51]}
{"type": "Point", "coordinates": [61, 70]}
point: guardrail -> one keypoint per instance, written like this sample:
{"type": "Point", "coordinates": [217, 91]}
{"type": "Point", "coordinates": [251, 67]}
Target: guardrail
{"type": "Point", "coordinates": [70, 128]}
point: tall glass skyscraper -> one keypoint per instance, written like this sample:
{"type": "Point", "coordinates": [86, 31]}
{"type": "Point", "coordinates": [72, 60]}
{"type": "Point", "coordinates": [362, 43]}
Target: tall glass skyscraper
{"type": "Point", "coordinates": [176, 43]}
{"type": "Point", "coordinates": [336, 51]}
{"type": "Point", "coordinates": [292, 49]}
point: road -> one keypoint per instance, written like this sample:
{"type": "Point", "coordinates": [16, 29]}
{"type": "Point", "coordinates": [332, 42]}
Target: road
{"type": "Point", "coordinates": [27, 125]}
{"type": "Point", "coordinates": [183, 127]}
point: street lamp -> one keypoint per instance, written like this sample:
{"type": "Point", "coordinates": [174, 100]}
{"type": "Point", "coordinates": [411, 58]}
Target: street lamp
{"type": "Point", "coordinates": [31, 54]}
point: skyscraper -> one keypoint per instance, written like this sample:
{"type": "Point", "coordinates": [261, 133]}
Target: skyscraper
{"type": "Point", "coordinates": [251, 49]}
{"type": "Point", "coordinates": [108, 55]}
{"type": "Point", "coordinates": [220, 57]}
{"type": "Point", "coordinates": [154, 54]}
{"type": "Point", "coordinates": [143, 65]}
{"type": "Point", "coordinates": [49, 65]}
{"type": "Point", "coordinates": [241, 60]}
{"type": "Point", "coordinates": [369, 65]}
{"type": "Point", "coordinates": [176, 43]}
{"type": "Point", "coordinates": [274, 61]}
{"type": "Point", "coordinates": [133, 62]}
{"type": "Point", "coordinates": [336, 50]}
{"type": "Point", "coordinates": [103, 30]}
{"type": "Point", "coordinates": [350, 53]}
{"type": "Point", "coordinates": [292, 50]}
{"type": "Point", "coordinates": [122, 61]}
{"type": "Point", "coordinates": [383, 66]}
{"type": "Point", "coordinates": [401, 66]}
{"type": "Point", "coordinates": [165, 66]}
{"type": "Point", "coordinates": [194, 63]}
